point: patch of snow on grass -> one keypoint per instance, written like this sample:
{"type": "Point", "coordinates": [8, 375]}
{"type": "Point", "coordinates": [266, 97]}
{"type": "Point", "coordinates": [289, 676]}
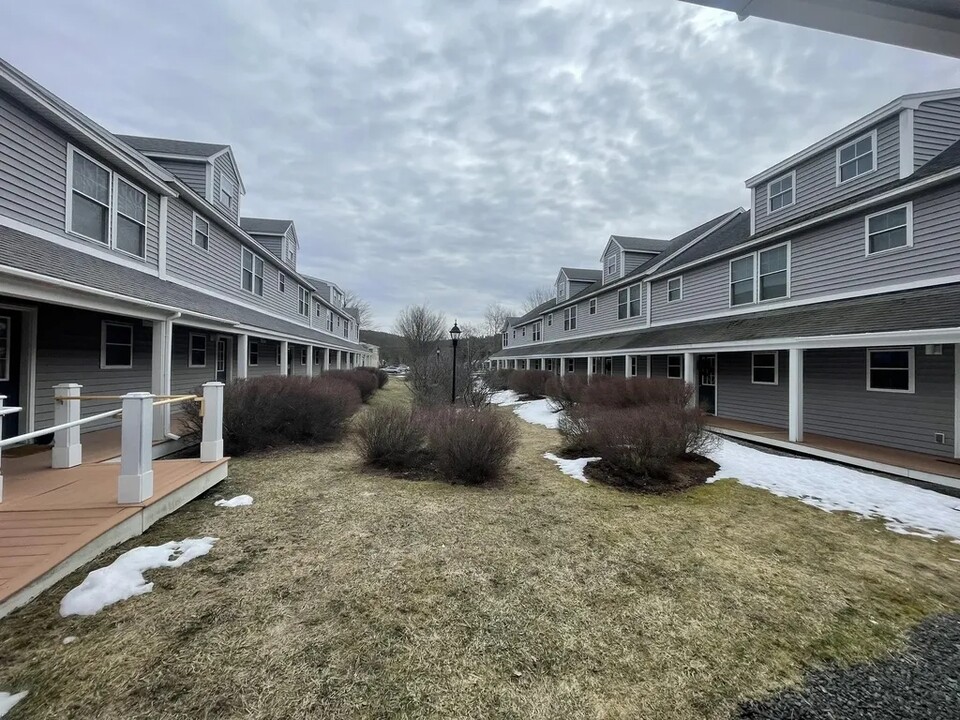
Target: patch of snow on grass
{"type": "Point", "coordinates": [505, 397]}
{"type": "Point", "coordinates": [7, 701]}
{"type": "Point", "coordinates": [573, 468]}
{"type": "Point", "coordinates": [124, 577]}
{"type": "Point", "coordinates": [907, 509]}
{"type": "Point", "coordinates": [538, 412]}
{"type": "Point", "coordinates": [70, 639]}
{"type": "Point", "coordinates": [238, 501]}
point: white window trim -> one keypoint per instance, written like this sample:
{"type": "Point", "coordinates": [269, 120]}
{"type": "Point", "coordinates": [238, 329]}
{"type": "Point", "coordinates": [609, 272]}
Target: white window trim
{"type": "Point", "coordinates": [193, 238]}
{"type": "Point", "coordinates": [71, 149]}
{"type": "Point", "coordinates": [866, 230]}
{"type": "Point", "coordinates": [253, 354]}
{"type": "Point", "coordinates": [303, 355]}
{"type": "Point", "coordinates": [115, 211]}
{"type": "Point", "coordinates": [678, 278]}
{"type": "Point", "coordinates": [232, 195]}
{"type": "Point", "coordinates": [675, 377]}
{"type": "Point", "coordinates": [793, 189]}
{"type": "Point", "coordinates": [190, 362]}
{"type": "Point", "coordinates": [281, 282]}
{"type": "Point", "coordinates": [756, 276]}
{"type": "Point", "coordinates": [549, 319]}
{"type": "Point", "coordinates": [303, 299]}
{"type": "Point", "coordinates": [103, 345]}
{"type": "Point", "coordinates": [876, 160]}
{"type": "Point", "coordinates": [912, 370]}
{"type": "Point", "coordinates": [279, 353]}
{"type": "Point", "coordinates": [593, 306]}
{"type": "Point", "coordinates": [776, 367]}
{"type": "Point", "coordinates": [253, 269]}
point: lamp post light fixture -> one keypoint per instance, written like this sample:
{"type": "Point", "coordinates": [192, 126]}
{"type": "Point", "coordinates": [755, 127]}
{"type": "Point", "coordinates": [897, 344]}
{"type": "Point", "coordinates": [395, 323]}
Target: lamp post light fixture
{"type": "Point", "coordinates": [454, 338]}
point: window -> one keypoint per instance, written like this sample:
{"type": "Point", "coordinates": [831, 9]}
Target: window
{"type": "Point", "coordinates": [561, 290]}
{"type": "Point", "coordinates": [890, 370]}
{"type": "Point", "coordinates": [549, 319]}
{"type": "Point", "coordinates": [514, 333]}
{"type": "Point", "coordinates": [131, 225]}
{"type": "Point", "coordinates": [675, 289]}
{"type": "Point", "coordinates": [773, 273]}
{"type": "Point", "coordinates": [303, 305]}
{"type": "Point", "coordinates": [281, 282]}
{"type": "Point", "coordinates": [611, 268]}
{"type": "Point", "coordinates": [201, 232]}
{"type": "Point", "coordinates": [346, 328]}
{"type": "Point", "coordinates": [318, 310]}
{"type": "Point", "coordinates": [116, 348]}
{"type": "Point", "coordinates": [329, 321]}
{"type": "Point", "coordinates": [675, 366]}
{"type": "Point", "coordinates": [634, 365]}
{"type": "Point", "coordinates": [856, 158]}
{"type": "Point", "coordinates": [780, 193]}
{"type": "Point", "coordinates": [88, 211]}
{"type": "Point", "coordinates": [251, 273]}
{"type": "Point", "coordinates": [317, 356]}
{"type": "Point", "coordinates": [890, 229]}
{"type": "Point", "coordinates": [570, 365]}
{"type": "Point", "coordinates": [523, 331]}
{"type": "Point", "coordinates": [290, 252]}
{"type": "Point", "coordinates": [537, 331]}
{"type": "Point", "coordinates": [760, 276]}
{"type": "Point", "coordinates": [253, 354]}
{"type": "Point", "coordinates": [197, 356]}
{"type": "Point", "coordinates": [741, 281]}
{"type": "Point", "coordinates": [765, 369]}
{"type": "Point", "coordinates": [279, 347]}
{"type": "Point", "coordinates": [570, 318]}
{"type": "Point", "coordinates": [303, 356]}
{"type": "Point", "coordinates": [503, 340]}
{"type": "Point", "coordinates": [628, 302]}
{"type": "Point", "coordinates": [593, 306]}
{"type": "Point", "coordinates": [227, 191]}
{"type": "Point", "coordinates": [5, 347]}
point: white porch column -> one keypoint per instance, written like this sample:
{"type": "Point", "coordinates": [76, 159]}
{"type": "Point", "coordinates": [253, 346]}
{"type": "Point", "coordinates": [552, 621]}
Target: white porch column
{"type": "Point", "coordinates": [136, 449]}
{"type": "Point", "coordinates": [211, 440]}
{"type": "Point", "coordinates": [626, 365]}
{"type": "Point", "coordinates": [649, 365]}
{"type": "Point", "coordinates": [795, 394]}
{"type": "Point", "coordinates": [690, 375]}
{"type": "Point", "coordinates": [563, 366]}
{"type": "Point", "coordinates": [309, 360]}
{"type": "Point", "coordinates": [243, 356]}
{"type": "Point", "coordinates": [326, 359]}
{"type": "Point", "coordinates": [284, 357]}
{"type": "Point", "coordinates": [161, 366]}
{"type": "Point", "coordinates": [339, 358]}
{"type": "Point", "coordinates": [66, 443]}
{"type": "Point", "coordinates": [589, 368]}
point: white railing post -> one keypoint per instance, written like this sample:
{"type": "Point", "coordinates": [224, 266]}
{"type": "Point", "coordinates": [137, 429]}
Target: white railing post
{"type": "Point", "coordinates": [67, 451]}
{"type": "Point", "coordinates": [211, 441]}
{"type": "Point", "coordinates": [136, 449]}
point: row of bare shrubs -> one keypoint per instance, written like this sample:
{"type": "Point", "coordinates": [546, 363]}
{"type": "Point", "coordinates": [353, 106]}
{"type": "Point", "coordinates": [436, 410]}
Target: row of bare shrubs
{"type": "Point", "coordinates": [530, 383]}
{"type": "Point", "coordinates": [465, 444]}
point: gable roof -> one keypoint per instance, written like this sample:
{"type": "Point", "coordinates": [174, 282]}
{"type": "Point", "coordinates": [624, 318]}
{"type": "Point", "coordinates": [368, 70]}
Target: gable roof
{"type": "Point", "coordinates": [728, 235]}
{"type": "Point", "coordinates": [535, 313]}
{"type": "Point", "coordinates": [265, 226]}
{"type": "Point", "coordinates": [639, 244]}
{"type": "Point", "coordinates": [163, 146]}
{"type": "Point", "coordinates": [582, 274]}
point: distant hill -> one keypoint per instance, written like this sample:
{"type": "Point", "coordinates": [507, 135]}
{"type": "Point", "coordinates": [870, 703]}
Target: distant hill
{"type": "Point", "coordinates": [391, 346]}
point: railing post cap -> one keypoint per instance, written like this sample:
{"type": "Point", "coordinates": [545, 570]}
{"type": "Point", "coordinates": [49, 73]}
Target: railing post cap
{"type": "Point", "coordinates": [68, 385]}
{"type": "Point", "coordinates": [214, 383]}
{"type": "Point", "coordinates": [139, 395]}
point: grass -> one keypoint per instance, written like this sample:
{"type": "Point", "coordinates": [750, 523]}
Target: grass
{"type": "Point", "coordinates": [347, 593]}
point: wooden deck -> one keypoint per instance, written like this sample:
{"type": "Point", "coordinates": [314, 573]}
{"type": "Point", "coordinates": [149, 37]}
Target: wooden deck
{"type": "Point", "coordinates": [54, 521]}
{"type": "Point", "coordinates": [917, 466]}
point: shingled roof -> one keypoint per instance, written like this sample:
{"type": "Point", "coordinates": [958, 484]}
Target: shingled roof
{"type": "Point", "coordinates": [265, 226]}
{"type": "Point", "coordinates": [148, 145]}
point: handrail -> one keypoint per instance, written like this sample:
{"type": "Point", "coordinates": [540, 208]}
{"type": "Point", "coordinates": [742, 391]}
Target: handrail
{"type": "Point", "coordinates": [63, 426]}
{"type": "Point", "coordinates": [173, 399]}
{"type": "Point", "coordinates": [120, 397]}
{"type": "Point", "coordinates": [9, 410]}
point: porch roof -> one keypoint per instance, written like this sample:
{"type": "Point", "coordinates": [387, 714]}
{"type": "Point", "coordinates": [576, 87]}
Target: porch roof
{"type": "Point", "coordinates": [930, 308]}
{"type": "Point", "coordinates": [25, 252]}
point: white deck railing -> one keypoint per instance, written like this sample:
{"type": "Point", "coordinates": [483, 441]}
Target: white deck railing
{"type": "Point", "coordinates": [135, 483]}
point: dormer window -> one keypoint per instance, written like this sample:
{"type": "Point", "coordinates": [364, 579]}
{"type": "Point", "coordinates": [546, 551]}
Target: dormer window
{"type": "Point", "coordinates": [780, 193]}
{"type": "Point", "coordinates": [856, 158]}
{"type": "Point", "coordinates": [227, 191]}
{"type": "Point", "coordinates": [611, 268]}
{"type": "Point", "coordinates": [561, 290]}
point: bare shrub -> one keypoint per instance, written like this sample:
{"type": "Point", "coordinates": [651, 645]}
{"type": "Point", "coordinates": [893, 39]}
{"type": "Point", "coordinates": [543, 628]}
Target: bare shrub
{"type": "Point", "coordinates": [389, 437]}
{"type": "Point", "coordinates": [532, 383]}
{"type": "Point", "coordinates": [564, 392]}
{"type": "Point", "coordinates": [473, 446]}
{"type": "Point", "coordinates": [623, 392]}
{"type": "Point", "coordinates": [365, 381]}
{"type": "Point", "coordinates": [497, 379]}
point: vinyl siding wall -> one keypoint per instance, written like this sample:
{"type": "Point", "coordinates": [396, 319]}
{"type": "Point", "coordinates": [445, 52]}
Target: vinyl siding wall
{"type": "Point", "coordinates": [267, 360]}
{"type": "Point", "coordinates": [223, 166]}
{"type": "Point", "coordinates": [837, 403]}
{"type": "Point", "coordinates": [193, 174]}
{"type": "Point", "coordinates": [936, 126]}
{"type": "Point", "coordinates": [615, 254]}
{"type": "Point", "coordinates": [633, 260]}
{"type": "Point", "coordinates": [740, 399]}
{"type": "Point", "coordinates": [604, 320]}
{"type": "Point", "coordinates": [705, 290]}
{"type": "Point", "coordinates": [33, 178]}
{"type": "Point", "coordinates": [816, 182]}
{"type": "Point", "coordinates": [183, 378]}
{"type": "Point", "coordinates": [272, 243]}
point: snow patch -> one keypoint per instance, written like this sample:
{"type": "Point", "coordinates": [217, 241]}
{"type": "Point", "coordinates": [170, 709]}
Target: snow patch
{"type": "Point", "coordinates": [7, 701]}
{"type": "Point", "coordinates": [573, 468]}
{"type": "Point", "coordinates": [538, 412]}
{"type": "Point", "coordinates": [906, 509]}
{"type": "Point", "coordinates": [124, 579]}
{"type": "Point", "coordinates": [238, 501]}
{"type": "Point", "coordinates": [70, 639]}
{"type": "Point", "coordinates": [505, 397]}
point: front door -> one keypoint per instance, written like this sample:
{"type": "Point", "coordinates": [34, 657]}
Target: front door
{"type": "Point", "coordinates": [707, 385]}
{"type": "Point", "coordinates": [221, 360]}
{"type": "Point", "coordinates": [10, 368]}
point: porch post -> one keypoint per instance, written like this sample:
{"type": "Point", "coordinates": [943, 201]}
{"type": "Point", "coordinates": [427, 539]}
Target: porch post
{"type": "Point", "coordinates": [211, 440]}
{"type": "Point", "coordinates": [243, 356]}
{"type": "Point", "coordinates": [563, 366]}
{"type": "Point", "coordinates": [649, 366]}
{"type": "Point", "coordinates": [66, 443]}
{"type": "Point", "coordinates": [589, 369]}
{"type": "Point", "coordinates": [626, 365]}
{"type": "Point", "coordinates": [795, 392]}
{"type": "Point", "coordinates": [339, 358]}
{"type": "Point", "coordinates": [136, 449]}
{"type": "Point", "coordinates": [690, 375]}
{"type": "Point", "coordinates": [326, 359]}
{"type": "Point", "coordinates": [309, 360]}
{"type": "Point", "coordinates": [284, 357]}
{"type": "Point", "coordinates": [161, 364]}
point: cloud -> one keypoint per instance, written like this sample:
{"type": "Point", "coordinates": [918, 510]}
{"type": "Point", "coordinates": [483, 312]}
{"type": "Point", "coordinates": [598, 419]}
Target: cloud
{"type": "Point", "coordinates": [459, 153]}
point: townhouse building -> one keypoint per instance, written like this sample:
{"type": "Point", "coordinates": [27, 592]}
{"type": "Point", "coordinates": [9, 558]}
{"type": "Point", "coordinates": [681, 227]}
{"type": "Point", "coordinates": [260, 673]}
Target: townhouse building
{"type": "Point", "coordinates": [126, 264]}
{"type": "Point", "coordinates": [825, 318]}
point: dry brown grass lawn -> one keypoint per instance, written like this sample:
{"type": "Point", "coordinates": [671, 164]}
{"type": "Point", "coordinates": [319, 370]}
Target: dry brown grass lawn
{"type": "Point", "coordinates": [347, 593]}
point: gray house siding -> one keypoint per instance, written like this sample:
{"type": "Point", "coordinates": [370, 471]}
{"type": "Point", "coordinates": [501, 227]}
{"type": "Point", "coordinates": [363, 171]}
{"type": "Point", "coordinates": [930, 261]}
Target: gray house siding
{"type": "Point", "coordinates": [614, 254]}
{"type": "Point", "coordinates": [193, 174]}
{"type": "Point", "coordinates": [223, 166]}
{"type": "Point", "coordinates": [267, 359]}
{"type": "Point", "coordinates": [273, 243]}
{"type": "Point", "coordinates": [633, 260]}
{"type": "Point", "coordinates": [33, 177]}
{"type": "Point", "coordinates": [739, 398]}
{"type": "Point", "coordinates": [705, 289]}
{"type": "Point", "coordinates": [183, 378]}
{"type": "Point", "coordinates": [837, 403]}
{"type": "Point", "coordinates": [936, 126]}
{"type": "Point", "coordinates": [816, 183]}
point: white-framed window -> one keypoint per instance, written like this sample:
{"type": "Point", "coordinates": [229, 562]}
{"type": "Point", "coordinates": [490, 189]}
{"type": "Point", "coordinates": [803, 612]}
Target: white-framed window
{"type": "Point", "coordinates": [514, 333]}
{"type": "Point", "coordinates": [253, 354]}
{"type": "Point", "coordinates": [329, 321]}
{"type": "Point", "coordinates": [760, 276]}
{"type": "Point", "coordinates": [504, 340]}
{"type": "Point", "coordinates": [537, 331]}
{"type": "Point", "coordinates": [765, 368]}
{"type": "Point", "coordinates": [251, 272]}
{"type": "Point", "coordinates": [5, 342]}
{"type": "Point", "coordinates": [889, 230]}
{"type": "Point", "coordinates": [675, 289]}
{"type": "Point", "coordinates": [781, 192]}
{"type": "Point", "coordinates": [116, 345]}
{"type": "Point", "coordinates": [197, 357]}
{"type": "Point", "coordinates": [303, 355]}
{"type": "Point", "coordinates": [571, 367]}
{"type": "Point", "coordinates": [561, 290]}
{"type": "Point", "coordinates": [629, 302]}
{"type": "Point", "coordinates": [281, 282]}
{"type": "Point", "coordinates": [593, 306]}
{"type": "Point", "coordinates": [201, 232]}
{"type": "Point", "coordinates": [339, 319]}
{"type": "Point", "coordinates": [227, 191]}
{"type": "Point", "coordinates": [634, 365]}
{"type": "Point", "coordinates": [346, 328]}
{"type": "Point", "coordinates": [856, 158]}
{"type": "Point", "coordinates": [318, 309]}
{"type": "Point", "coordinates": [611, 267]}
{"type": "Point", "coordinates": [279, 349]}
{"type": "Point", "coordinates": [890, 370]}
{"type": "Point", "coordinates": [317, 356]}
{"type": "Point", "coordinates": [549, 319]}
{"type": "Point", "coordinates": [338, 298]}
{"type": "Point", "coordinates": [570, 318]}
{"type": "Point", "coordinates": [675, 366]}
{"type": "Point", "coordinates": [523, 331]}
{"type": "Point", "coordinates": [303, 301]}
{"type": "Point", "coordinates": [291, 253]}
{"type": "Point", "coordinates": [130, 227]}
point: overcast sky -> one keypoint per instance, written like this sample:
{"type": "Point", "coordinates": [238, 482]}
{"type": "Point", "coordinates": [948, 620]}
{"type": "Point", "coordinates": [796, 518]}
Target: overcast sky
{"type": "Point", "coordinates": [458, 153]}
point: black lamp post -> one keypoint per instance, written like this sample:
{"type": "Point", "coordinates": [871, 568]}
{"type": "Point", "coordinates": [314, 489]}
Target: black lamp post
{"type": "Point", "coordinates": [454, 337]}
